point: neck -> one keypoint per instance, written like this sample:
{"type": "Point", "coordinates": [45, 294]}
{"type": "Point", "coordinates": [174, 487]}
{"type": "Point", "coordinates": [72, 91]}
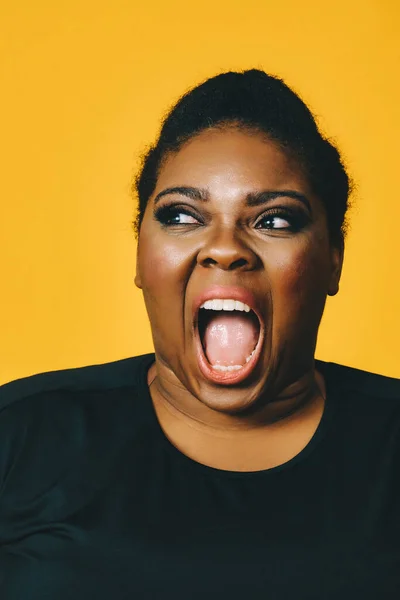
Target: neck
{"type": "Point", "coordinates": [268, 410]}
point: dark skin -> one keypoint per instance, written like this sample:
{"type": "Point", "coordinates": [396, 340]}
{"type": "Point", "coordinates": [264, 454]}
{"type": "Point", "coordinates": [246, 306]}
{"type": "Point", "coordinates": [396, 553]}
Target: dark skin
{"type": "Point", "coordinates": [277, 248]}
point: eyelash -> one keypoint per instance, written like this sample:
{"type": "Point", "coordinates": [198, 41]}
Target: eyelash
{"type": "Point", "coordinates": [165, 213]}
{"type": "Point", "coordinates": [296, 218]}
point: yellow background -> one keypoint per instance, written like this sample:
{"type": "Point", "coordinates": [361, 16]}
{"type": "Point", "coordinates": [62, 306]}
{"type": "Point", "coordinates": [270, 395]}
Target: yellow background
{"type": "Point", "coordinates": [83, 86]}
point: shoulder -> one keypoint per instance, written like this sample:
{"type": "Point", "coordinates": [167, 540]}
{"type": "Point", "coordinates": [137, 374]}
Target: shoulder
{"type": "Point", "coordinates": [51, 419]}
{"type": "Point", "coordinates": [57, 401]}
{"type": "Point", "coordinates": [116, 374]}
{"type": "Point", "coordinates": [363, 396]}
{"type": "Point", "coordinates": [358, 381]}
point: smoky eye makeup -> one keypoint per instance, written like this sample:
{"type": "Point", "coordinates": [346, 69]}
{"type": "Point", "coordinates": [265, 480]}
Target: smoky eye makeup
{"type": "Point", "coordinates": [276, 218]}
{"type": "Point", "coordinates": [176, 214]}
{"type": "Point", "coordinates": [283, 218]}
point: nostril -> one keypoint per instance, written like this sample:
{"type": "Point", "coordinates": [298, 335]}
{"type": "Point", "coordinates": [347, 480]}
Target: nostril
{"type": "Point", "coordinates": [241, 262]}
{"type": "Point", "coordinates": [230, 266]}
{"type": "Point", "coordinates": [208, 262]}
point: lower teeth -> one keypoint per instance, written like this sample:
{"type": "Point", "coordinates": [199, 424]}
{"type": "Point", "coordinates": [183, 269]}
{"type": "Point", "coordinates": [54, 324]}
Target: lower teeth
{"type": "Point", "coordinates": [229, 368]}
{"type": "Point", "coordinates": [249, 357]}
{"type": "Point", "coordinates": [232, 367]}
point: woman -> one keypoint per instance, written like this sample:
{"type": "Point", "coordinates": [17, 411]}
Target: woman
{"type": "Point", "coordinates": [230, 462]}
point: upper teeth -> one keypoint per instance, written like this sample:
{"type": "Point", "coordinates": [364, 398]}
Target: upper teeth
{"type": "Point", "coordinates": [225, 305]}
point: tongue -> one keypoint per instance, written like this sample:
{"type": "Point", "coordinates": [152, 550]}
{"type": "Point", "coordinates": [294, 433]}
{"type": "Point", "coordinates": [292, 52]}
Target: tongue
{"type": "Point", "coordinates": [229, 339]}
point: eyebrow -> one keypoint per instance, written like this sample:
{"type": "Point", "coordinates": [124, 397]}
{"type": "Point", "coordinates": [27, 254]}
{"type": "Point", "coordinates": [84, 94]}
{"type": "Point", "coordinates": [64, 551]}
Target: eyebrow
{"type": "Point", "coordinates": [252, 198]}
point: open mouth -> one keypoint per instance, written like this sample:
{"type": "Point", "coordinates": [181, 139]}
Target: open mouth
{"type": "Point", "coordinates": [229, 340]}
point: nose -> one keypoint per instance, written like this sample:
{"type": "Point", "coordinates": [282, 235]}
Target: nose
{"type": "Point", "coordinates": [225, 250]}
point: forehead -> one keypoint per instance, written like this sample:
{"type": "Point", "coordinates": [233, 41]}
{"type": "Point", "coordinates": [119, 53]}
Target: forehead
{"type": "Point", "coordinates": [231, 159]}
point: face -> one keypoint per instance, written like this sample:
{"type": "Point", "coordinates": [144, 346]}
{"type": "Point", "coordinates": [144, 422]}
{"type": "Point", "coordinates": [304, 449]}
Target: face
{"type": "Point", "coordinates": [232, 218]}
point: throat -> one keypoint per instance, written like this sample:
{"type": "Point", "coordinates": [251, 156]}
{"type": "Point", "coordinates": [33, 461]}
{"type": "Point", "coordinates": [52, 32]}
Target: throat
{"type": "Point", "coordinates": [228, 338]}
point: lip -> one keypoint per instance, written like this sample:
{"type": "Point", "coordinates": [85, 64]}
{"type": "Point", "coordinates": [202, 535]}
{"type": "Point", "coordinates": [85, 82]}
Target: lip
{"type": "Point", "coordinates": [233, 293]}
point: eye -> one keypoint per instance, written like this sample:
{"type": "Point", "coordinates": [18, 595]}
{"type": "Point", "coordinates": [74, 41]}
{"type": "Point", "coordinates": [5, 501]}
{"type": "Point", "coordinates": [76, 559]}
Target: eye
{"type": "Point", "coordinates": [273, 222]}
{"type": "Point", "coordinates": [282, 219]}
{"type": "Point", "coordinates": [181, 218]}
{"type": "Point", "coordinates": [175, 215]}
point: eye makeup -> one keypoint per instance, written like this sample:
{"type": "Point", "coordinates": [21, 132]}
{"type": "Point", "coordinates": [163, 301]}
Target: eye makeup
{"type": "Point", "coordinates": [175, 214]}
{"type": "Point", "coordinates": [167, 214]}
{"type": "Point", "coordinates": [296, 219]}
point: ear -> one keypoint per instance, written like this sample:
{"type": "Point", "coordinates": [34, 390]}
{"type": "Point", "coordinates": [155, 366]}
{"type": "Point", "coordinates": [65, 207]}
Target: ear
{"type": "Point", "coordinates": [337, 255]}
{"type": "Point", "coordinates": [138, 279]}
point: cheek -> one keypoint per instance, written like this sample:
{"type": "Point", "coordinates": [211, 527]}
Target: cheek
{"type": "Point", "coordinates": [164, 268]}
{"type": "Point", "coordinates": [159, 264]}
{"type": "Point", "coordinates": [299, 279]}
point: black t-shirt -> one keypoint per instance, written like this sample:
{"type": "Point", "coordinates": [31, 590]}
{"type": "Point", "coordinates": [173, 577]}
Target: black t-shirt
{"type": "Point", "coordinates": [96, 503]}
